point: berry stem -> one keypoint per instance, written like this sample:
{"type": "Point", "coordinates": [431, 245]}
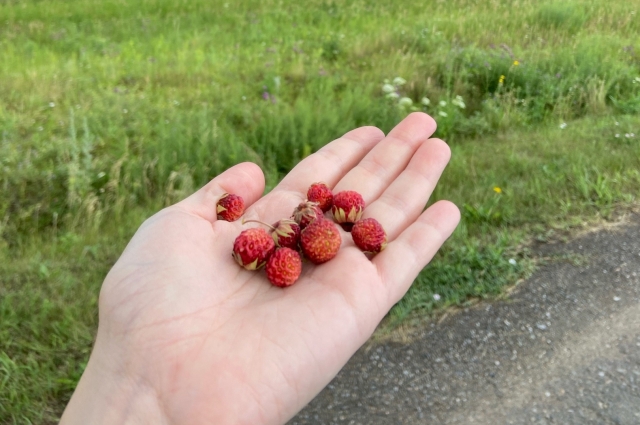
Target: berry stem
{"type": "Point", "coordinates": [259, 222]}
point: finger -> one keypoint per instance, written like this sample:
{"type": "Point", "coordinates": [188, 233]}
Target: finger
{"type": "Point", "coordinates": [245, 179]}
{"type": "Point", "coordinates": [387, 160]}
{"type": "Point", "coordinates": [328, 165]}
{"type": "Point", "coordinates": [333, 161]}
{"type": "Point", "coordinates": [402, 260]}
{"type": "Point", "coordinates": [403, 201]}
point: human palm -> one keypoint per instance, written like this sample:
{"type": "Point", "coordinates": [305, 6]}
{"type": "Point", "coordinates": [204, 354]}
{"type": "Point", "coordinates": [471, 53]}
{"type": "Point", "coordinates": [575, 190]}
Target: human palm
{"type": "Point", "coordinates": [196, 339]}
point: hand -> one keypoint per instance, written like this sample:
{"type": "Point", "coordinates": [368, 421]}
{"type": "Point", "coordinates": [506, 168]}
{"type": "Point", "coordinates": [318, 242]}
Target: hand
{"type": "Point", "coordinates": [186, 336]}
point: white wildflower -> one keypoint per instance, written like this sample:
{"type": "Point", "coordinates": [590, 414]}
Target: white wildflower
{"type": "Point", "coordinates": [443, 114]}
{"type": "Point", "coordinates": [617, 134]}
{"type": "Point", "coordinates": [512, 261]}
{"type": "Point", "coordinates": [563, 126]}
{"type": "Point", "coordinates": [459, 102]}
{"type": "Point", "coordinates": [436, 297]}
{"type": "Point", "coordinates": [52, 105]}
{"type": "Point", "coordinates": [442, 103]}
{"type": "Point", "coordinates": [388, 88]}
{"type": "Point", "coordinates": [393, 95]}
{"type": "Point", "coordinates": [405, 102]}
{"type": "Point", "coordinates": [399, 81]}
{"type": "Point", "coordinates": [425, 101]}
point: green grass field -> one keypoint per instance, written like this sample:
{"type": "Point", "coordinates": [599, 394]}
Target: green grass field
{"type": "Point", "coordinates": [111, 110]}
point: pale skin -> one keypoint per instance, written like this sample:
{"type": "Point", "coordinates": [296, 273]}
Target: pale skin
{"type": "Point", "coordinates": [186, 336]}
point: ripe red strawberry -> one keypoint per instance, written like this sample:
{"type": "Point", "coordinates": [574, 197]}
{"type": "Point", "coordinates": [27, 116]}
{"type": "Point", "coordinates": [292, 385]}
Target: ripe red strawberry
{"type": "Point", "coordinates": [252, 248]}
{"type": "Point", "coordinates": [320, 241]}
{"type": "Point", "coordinates": [369, 235]}
{"type": "Point", "coordinates": [284, 267]}
{"type": "Point", "coordinates": [286, 233]}
{"type": "Point", "coordinates": [347, 208]}
{"type": "Point", "coordinates": [306, 212]}
{"type": "Point", "coordinates": [230, 207]}
{"type": "Point", "coordinates": [320, 193]}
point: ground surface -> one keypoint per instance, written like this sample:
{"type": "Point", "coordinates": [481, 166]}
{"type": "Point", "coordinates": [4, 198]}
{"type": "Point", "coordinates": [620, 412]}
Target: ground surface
{"type": "Point", "coordinates": [563, 348]}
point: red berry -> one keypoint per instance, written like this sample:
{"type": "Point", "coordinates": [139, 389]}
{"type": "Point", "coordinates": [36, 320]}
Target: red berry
{"type": "Point", "coordinates": [320, 193]}
{"type": "Point", "coordinates": [306, 212]}
{"type": "Point", "coordinates": [286, 233]}
{"type": "Point", "coordinates": [369, 235]}
{"type": "Point", "coordinates": [320, 241]}
{"type": "Point", "coordinates": [230, 207]}
{"type": "Point", "coordinates": [252, 248]}
{"type": "Point", "coordinates": [284, 267]}
{"type": "Point", "coordinates": [347, 208]}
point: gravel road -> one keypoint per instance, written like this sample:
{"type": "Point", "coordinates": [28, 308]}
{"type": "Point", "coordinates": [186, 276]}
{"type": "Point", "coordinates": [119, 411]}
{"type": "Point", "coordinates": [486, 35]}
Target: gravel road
{"type": "Point", "coordinates": [563, 348]}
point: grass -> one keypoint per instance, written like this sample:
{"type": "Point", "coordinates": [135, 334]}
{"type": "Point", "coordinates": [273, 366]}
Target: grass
{"type": "Point", "coordinates": [111, 110]}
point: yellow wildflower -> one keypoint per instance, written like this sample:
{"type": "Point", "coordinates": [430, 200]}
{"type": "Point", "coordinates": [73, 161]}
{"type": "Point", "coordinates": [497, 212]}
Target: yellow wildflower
{"type": "Point", "coordinates": [496, 189]}
{"type": "Point", "coordinates": [516, 63]}
{"type": "Point", "coordinates": [501, 80]}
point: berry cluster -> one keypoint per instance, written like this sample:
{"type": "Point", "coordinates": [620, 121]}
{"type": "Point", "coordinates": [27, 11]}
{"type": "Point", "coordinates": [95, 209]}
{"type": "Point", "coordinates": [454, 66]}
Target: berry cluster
{"type": "Point", "coordinates": [307, 231]}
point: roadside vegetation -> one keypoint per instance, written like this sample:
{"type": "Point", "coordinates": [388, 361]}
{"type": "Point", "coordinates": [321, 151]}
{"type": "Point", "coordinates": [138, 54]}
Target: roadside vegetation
{"type": "Point", "coordinates": [112, 110]}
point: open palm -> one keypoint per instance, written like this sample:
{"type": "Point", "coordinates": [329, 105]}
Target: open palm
{"type": "Point", "coordinates": [189, 337]}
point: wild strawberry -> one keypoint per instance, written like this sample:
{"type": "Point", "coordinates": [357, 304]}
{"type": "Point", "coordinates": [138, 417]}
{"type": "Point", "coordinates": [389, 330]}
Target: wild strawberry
{"type": "Point", "coordinates": [306, 212]}
{"type": "Point", "coordinates": [286, 233]}
{"type": "Point", "coordinates": [347, 208]}
{"type": "Point", "coordinates": [284, 267]}
{"type": "Point", "coordinates": [230, 207]}
{"type": "Point", "coordinates": [320, 193]}
{"type": "Point", "coordinates": [252, 248]}
{"type": "Point", "coordinates": [320, 240]}
{"type": "Point", "coordinates": [369, 235]}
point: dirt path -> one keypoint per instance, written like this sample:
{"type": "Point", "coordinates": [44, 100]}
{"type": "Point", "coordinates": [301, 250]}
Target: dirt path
{"type": "Point", "coordinates": [564, 348]}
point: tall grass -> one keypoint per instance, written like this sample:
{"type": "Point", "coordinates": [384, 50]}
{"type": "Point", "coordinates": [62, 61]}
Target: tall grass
{"type": "Point", "coordinates": [110, 110]}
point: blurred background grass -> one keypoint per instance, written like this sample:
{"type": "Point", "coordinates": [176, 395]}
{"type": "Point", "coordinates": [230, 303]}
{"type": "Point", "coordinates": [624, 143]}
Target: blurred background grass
{"type": "Point", "coordinates": [111, 110]}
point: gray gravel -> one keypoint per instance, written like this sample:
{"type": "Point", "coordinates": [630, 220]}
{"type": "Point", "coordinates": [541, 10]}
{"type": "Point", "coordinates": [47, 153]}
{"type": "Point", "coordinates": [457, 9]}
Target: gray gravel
{"type": "Point", "coordinates": [563, 348]}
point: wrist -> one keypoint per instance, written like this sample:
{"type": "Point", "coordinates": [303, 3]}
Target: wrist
{"type": "Point", "coordinates": [106, 395]}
